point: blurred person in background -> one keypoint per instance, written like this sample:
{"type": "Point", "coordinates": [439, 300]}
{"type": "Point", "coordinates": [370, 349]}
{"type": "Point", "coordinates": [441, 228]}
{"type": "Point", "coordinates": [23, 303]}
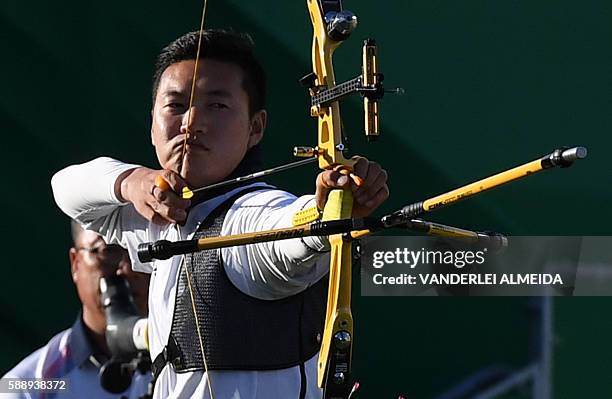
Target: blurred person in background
{"type": "Point", "coordinates": [77, 354]}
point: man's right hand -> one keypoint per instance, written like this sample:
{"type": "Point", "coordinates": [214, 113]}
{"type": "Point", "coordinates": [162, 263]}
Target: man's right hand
{"type": "Point", "coordinates": [161, 207]}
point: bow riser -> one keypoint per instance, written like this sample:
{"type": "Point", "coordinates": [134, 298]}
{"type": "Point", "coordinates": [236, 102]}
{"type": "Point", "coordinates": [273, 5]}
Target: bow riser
{"type": "Point", "coordinates": [336, 347]}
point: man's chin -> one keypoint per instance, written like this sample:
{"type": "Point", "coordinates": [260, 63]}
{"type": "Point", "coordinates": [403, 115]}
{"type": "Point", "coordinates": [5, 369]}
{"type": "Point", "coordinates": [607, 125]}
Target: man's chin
{"type": "Point", "coordinates": [201, 174]}
{"type": "Point", "coordinates": [194, 176]}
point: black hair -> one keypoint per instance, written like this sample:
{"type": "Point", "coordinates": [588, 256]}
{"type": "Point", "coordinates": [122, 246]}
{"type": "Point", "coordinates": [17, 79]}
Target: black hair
{"type": "Point", "coordinates": [220, 45]}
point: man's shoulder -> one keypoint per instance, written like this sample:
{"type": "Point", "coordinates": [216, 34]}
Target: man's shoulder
{"type": "Point", "coordinates": [262, 194]}
{"type": "Point", "coordinates": [26, 368]}
{"type": "Point", "coordinates": [32, 366]}
{"type": "Point", "coordinates": [254, 196]}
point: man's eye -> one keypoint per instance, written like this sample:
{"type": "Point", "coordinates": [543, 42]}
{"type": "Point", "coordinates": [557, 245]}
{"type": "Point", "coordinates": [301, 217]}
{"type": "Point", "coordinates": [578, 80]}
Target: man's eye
{"type": "Point", "coordinates": [218, 105]}
{"type": "Point", "coordinates": [175, 105]}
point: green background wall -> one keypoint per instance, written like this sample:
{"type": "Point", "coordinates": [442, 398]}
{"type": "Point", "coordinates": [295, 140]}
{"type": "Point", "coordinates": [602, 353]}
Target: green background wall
{"type": "Point", "coordinates": [488, 85]}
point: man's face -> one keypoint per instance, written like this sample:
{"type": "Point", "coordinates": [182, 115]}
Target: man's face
{"type": "Point", "coordinates": [92, 259]}
{"type": "Point", "coordinates": [220, 128]}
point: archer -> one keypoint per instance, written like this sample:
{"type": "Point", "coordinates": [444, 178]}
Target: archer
{"type": "Point", "coordinates": [241, 320]}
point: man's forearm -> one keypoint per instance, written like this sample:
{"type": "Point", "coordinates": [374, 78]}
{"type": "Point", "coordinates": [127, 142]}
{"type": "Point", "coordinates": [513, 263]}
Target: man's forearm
{"type": "Point", "coordinates": [87, 191]}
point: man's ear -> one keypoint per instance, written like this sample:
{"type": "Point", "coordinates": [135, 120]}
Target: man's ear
{"type": "Point", "coordinates": [258, 125]}
{"type": "Point", "coordinates": [74, 264]}
{"type": "Point", "coordinates": [151, 131]}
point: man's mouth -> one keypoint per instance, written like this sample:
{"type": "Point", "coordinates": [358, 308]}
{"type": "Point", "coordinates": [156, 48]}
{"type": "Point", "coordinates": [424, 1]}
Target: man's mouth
{"type": "Point", "coordinates": [190, 147]}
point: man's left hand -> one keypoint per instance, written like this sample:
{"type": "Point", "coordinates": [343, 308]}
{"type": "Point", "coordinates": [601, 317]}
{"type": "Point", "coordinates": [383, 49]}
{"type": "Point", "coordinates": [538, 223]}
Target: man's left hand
{"type": "Point", "coordinates": [367, 197]}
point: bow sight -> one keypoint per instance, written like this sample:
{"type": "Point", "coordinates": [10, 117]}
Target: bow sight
{"type": "Point", "coordinates": [339, 25]}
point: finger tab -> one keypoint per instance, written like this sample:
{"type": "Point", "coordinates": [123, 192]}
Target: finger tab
{"type": "Point", "coordinates": [161, 183]}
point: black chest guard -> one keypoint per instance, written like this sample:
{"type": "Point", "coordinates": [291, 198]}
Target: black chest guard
{"type": "Point", "coordinates": [239, 332]}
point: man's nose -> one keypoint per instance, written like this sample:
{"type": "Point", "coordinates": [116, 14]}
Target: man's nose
{"type": "Point", "coordinates": [193, 121]}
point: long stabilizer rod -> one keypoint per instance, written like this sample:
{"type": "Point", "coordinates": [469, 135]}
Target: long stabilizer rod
{"type": "Point", "coordinates": [563, 157]}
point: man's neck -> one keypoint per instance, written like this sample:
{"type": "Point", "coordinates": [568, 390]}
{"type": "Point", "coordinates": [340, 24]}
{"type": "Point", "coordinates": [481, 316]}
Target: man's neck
{"type": "Point", "coordinates": [95, 325]}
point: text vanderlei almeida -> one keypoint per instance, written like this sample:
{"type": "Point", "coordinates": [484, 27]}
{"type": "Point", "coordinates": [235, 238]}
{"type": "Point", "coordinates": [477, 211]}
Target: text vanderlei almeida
{"type": "Point", "coordinates": [459, 259]}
